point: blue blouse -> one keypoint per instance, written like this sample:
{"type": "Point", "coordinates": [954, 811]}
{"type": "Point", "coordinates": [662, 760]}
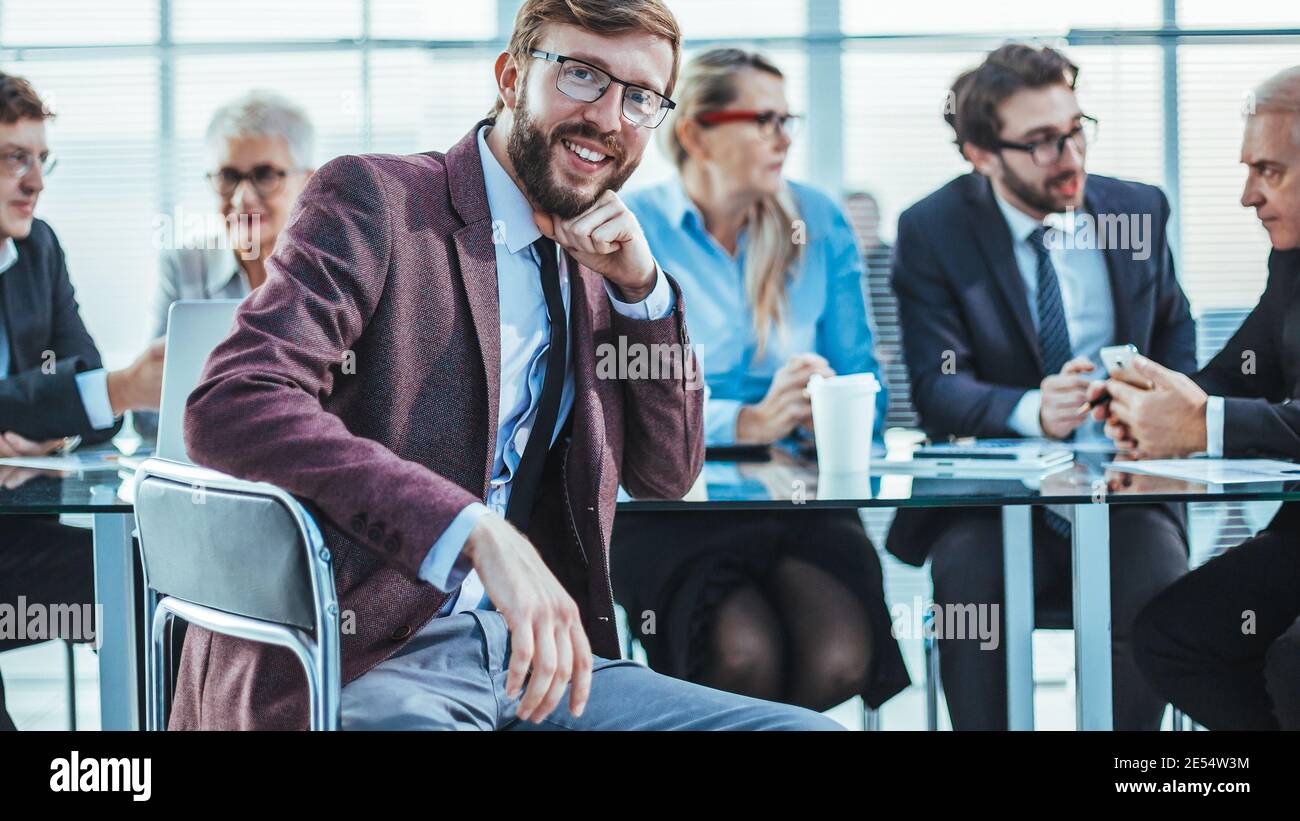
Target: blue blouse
{"type": "Point", "coordinates": [825, 312]}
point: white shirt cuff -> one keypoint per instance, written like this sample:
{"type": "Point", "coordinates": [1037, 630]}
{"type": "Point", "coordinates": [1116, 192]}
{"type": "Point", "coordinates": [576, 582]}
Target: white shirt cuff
{"type": "Point", "coordinates": [1214, 426]}
{"type": "Point", "coordinates": [658, 304]}
{"type": "Point", "coordinates": [1025, 419]}
{"type": "Point", "coordinates": [93, 387]}
{"type": "Point", "coordinates": [720, 418]}
{"type": "Point", "coordinates": [446, 566]}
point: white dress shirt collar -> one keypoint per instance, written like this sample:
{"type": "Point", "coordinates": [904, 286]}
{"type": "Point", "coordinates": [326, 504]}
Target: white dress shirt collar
{"type": "Point", "coordinates": [512, 214]}
{"type": "Point", "coordinates": [1020, 223]}
{"type": "Point", "coordinates": [8, 255]}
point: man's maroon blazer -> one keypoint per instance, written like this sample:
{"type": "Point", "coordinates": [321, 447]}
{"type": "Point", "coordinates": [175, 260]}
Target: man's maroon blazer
{"type": "Point", "coordinates": [363, 377]}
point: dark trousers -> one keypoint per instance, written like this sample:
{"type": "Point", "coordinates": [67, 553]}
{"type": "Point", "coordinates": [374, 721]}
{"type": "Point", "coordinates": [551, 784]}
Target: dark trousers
{"type": "Point", "coordinates": [46, 563]}
{"type": "Point", "coordinates": [1223, 643]}
{"type": "Point", "coordinates": [1148, 552]}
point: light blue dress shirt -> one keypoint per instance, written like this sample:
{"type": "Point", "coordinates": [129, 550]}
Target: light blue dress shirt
{"type": "Point", "coordinates": [525, 339]}
{"type": "Point", "coordinates": [91, 385]}
{"type": "Point", "coordinates": [1085, 296]}
{"type": "Point", "coordinates": [825, 313]}
{"type": "Point", "coordinates": [8, 256]}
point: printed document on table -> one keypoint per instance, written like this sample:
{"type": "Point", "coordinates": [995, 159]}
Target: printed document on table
{"type": "Point", "coordinates": [1215, 471]}
{"type": "Point", "coordinates": [70, 463]}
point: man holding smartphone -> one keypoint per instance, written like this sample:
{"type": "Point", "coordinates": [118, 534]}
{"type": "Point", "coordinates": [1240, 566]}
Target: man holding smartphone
{"type": "Point", "coordinates": [1007, 293]}
{"type": "Point", "coordinates": [1223, 642]}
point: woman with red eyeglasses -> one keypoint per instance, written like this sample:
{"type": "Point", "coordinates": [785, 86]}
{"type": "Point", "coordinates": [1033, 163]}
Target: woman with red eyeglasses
{"type": "Point", "coordinates": [785, 605]}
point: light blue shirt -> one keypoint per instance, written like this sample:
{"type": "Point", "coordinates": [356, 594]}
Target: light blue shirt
{"type": "Point", "coordinates": [8, 257]}
{"type": "Point", "coordinates": [92, 386]}
{"type": "Point", "coordinates": [1085, 296]}
{"type": "Point", "coordinates": [825, 310]}
{"type": "Point", "coordinates": [525, 340]}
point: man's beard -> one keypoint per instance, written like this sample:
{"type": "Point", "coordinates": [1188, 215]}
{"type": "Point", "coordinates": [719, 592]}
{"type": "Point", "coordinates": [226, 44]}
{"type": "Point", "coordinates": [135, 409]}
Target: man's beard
{"type": "Point", "coordinates": [530, 154]}
{"type": "Point", "coordinates": [1038, 199]}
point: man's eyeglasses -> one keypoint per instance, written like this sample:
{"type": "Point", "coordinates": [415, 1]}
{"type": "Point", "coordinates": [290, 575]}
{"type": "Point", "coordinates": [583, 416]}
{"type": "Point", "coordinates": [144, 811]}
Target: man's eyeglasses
{"type": "Point", "coordinates": [1048, 151]}
{"type": "Point", "coordinates": [266, 180]}
{"type": "Point", "coordinates": [768, 121]}
{"type": "Point", "coordinates": [18, 163]}
{"type": "Point", "coordinates": [587, 84]}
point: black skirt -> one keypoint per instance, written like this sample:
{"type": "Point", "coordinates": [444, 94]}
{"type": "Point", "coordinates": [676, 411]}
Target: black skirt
{"type": "Point", "coordinates": [676, 567]}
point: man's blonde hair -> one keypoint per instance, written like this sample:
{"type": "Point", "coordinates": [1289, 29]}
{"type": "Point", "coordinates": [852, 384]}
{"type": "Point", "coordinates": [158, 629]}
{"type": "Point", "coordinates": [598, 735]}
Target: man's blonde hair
{"type": "Point", "coordinates": [599, 16]}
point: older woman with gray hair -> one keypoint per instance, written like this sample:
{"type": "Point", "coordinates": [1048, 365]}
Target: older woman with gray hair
{"type": "Point", "coordinates": [261, 147]}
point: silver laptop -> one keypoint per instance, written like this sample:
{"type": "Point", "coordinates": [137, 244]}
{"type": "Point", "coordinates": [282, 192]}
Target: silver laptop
{"type": "Point", "coordinates": [194, 327]}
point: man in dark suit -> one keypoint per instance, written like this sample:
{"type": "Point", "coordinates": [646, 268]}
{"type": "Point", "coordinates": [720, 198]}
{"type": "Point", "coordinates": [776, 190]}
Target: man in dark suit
{"type": "Point", "coordinates": [1002, 320]}
{"type": "Point", "coordinates": [439, 276]}
{"type": "Point", "coordinates": [52, 382]}
{"type": "Point", "coordinates": [1223, 642]}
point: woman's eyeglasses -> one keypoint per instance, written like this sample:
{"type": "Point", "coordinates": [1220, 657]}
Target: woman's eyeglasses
{"type": "Point", "coordinates": [768, 121]}
{"type": "Point", "coordinates": [266, 180]}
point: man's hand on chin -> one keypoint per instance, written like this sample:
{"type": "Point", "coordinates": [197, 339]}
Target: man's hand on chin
{"type": "Point", "coordinates": [1165, 420]}
{"type": "Point", "coordinates": [607, 239]}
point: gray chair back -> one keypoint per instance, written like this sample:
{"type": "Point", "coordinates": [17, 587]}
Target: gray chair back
{"type": "Point", "coordinates": [241, 558]}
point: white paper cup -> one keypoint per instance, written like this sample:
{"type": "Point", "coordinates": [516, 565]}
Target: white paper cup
{"type": "Point", "coordinates": [844, 415]}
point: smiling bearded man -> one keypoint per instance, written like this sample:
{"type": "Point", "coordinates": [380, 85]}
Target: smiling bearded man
{"type": "Point", "coordinates": [466, 471]}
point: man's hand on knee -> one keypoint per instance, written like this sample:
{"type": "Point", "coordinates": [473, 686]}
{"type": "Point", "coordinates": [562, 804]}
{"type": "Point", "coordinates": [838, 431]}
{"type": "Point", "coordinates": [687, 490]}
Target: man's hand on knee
{"type": "Point", "coordinates": [546, 632]}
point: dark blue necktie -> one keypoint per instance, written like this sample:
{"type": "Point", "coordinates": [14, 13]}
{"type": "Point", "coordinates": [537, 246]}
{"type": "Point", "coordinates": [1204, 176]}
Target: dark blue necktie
{"type": "Point", "coordinates": [1053, 332]}
{"type": "Point", "coordinates": [1053, 335]}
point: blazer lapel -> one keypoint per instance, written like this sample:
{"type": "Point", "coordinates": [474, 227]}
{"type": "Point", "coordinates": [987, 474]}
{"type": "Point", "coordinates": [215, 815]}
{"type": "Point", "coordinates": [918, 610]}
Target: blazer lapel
{"type": "Point", "coordinates": [994, 239]}
{"type": "Point", "coordinates": [478, 270]}
{"type": "Point", "coordinates": [1288, 265]}
{"type": "Point", "coordinates": [587, 405]}
{"type": "Point", "coordinates": [1124, 277]}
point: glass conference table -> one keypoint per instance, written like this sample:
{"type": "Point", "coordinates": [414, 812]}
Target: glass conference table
{"type": "Point", "coordinates": [776, 480]}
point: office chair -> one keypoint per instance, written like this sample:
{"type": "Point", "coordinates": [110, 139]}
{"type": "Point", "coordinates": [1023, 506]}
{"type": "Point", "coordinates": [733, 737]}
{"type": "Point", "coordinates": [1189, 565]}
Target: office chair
{"type": "Point", "coordinates": [240, 558]}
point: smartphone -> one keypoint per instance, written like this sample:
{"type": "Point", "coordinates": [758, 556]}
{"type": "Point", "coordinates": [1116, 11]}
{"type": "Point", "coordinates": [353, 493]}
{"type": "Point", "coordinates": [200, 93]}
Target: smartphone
{"type": "Point", "coordinates": [1118, 357]}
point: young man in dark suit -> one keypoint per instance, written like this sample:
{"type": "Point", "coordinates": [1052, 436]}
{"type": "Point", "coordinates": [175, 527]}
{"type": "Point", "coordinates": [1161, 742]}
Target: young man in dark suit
{"type": "Point", "coordinates": [52, 383]}
{"type": "Point", "coordinates": [1010, 280]}
{"type": "Point", "coordinates": [1223, 642]}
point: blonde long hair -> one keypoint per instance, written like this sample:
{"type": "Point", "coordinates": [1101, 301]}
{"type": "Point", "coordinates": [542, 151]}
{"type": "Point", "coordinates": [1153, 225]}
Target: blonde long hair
{"type": "Point", "coordinates": [708, 83]}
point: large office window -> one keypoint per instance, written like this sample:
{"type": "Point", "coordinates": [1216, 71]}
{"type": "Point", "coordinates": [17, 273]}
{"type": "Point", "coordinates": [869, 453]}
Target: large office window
{"type": "Point", "coordinates": [135, 81]}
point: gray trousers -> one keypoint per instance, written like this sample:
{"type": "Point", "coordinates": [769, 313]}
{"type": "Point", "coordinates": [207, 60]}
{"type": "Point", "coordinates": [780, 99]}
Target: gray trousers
{"type": "Point", "coordinates": [452, 675]}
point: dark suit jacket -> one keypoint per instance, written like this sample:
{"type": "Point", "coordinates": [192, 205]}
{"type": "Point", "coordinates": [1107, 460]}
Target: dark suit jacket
{"type": "Point", "coordinates": [40, 316]}
{"type": "Point", "coordinates": [391, 258]}
{"type": "Point", "coordinates": [962, 300]}
{"type": "Point", "coordinates": [1258, 373]}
